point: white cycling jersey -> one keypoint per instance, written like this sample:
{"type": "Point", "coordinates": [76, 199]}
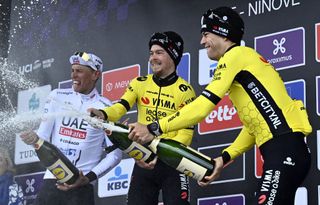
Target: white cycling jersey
{"type": "Point", "coordinates": [79, 141]}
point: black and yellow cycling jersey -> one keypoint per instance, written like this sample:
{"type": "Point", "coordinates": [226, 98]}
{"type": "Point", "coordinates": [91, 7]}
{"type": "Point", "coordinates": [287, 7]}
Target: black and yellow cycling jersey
{"type": "Point", "coordinates": [156, 98]}
{"type": "Point", "coordinates": [257, 92]}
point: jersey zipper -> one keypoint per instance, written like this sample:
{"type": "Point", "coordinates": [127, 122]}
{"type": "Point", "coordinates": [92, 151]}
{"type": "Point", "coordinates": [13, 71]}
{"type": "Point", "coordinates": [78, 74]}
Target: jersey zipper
{"type": "Point", "coordinates": [158, 102]}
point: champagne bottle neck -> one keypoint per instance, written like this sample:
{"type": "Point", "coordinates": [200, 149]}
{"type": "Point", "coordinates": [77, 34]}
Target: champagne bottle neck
{"type": "Point", "coordinates": [153, 145]}
{"type": "Point", "coordinates": [38, 144]}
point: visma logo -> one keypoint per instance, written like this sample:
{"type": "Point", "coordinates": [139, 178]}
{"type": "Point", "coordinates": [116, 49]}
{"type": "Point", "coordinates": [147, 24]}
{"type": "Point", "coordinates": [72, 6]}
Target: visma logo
{"type": "Point", "coordinates": [223, 113]}
{"type": "Point", "coordinates": [279, 46]}
{"type": "Point", "coordinates": [119, 181]}
{"type": "Point", "coordinates": [34, 102]}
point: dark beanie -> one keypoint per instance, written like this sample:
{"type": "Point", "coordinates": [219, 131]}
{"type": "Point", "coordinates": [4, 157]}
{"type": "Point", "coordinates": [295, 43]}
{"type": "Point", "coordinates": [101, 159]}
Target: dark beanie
{"type": "Point", "coordinates": [171, 42]}
{"type": "Point", "coordinates": [224, 22]}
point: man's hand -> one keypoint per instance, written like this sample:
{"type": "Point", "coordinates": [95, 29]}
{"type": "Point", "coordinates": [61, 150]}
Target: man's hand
{"type": "Point", "coordinates": [29, 137]}
{"type": "Point", "coordinates": [140, 133]}
{"type": "Point", "coordinates": [96, 113]}
{"type": "Point", "coordinates": [81, 181]}
{"type": "Point", "coordinates": [145, 165]}
{"type": "Point", "coordinates": [216, 173]}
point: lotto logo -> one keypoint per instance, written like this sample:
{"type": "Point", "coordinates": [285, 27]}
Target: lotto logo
{"type": "Point", "coordinates": [223, 117]}
{"type": "Point", "coordinates": [223, 113]}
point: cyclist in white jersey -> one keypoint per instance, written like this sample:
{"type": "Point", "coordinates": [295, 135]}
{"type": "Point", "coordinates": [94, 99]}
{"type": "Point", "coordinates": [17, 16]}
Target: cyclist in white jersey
{"type": "Point", "coordinates": [79, 141]}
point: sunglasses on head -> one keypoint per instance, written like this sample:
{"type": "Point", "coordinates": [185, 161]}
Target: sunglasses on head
{"type": "Point", "coordinates": [85, 56]}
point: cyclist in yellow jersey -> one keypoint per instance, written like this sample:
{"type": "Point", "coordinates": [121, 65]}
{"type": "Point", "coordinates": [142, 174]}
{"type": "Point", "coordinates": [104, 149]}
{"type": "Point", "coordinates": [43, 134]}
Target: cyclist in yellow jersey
{"type": "Point", "coordinates": [272, 120]}
{"type": "Point", "coordinates": [157, 95]}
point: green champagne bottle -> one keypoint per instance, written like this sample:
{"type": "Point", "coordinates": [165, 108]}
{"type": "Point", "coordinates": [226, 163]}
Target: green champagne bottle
{"type": "Point", "coordinates": [133, 149]}
{"type": "Point", "coordinates": [183, 158]}
{"type": "Point", "coordinates": [55, 161]}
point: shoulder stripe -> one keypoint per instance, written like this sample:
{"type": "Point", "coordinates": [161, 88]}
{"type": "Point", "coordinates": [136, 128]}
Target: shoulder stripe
{"type": "Point", "coordinates": [125, 104]}
{"type": "Point", "coordinates": [264, 102]}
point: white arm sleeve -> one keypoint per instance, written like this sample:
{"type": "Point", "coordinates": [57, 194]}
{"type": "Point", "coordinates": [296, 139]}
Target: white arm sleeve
{"type": "Point", "coordinates": [110, 161]}
{"type": "Point", "coordinates": [47, 123]}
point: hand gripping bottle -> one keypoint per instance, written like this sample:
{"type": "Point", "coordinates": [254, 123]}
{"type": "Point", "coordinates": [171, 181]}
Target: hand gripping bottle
{"type": "Point", "coordinates": [133, 149]}
{"type": "Point", "coordinates": [183, 158]}
{"type": "Point", "coordinates": [54, 160]}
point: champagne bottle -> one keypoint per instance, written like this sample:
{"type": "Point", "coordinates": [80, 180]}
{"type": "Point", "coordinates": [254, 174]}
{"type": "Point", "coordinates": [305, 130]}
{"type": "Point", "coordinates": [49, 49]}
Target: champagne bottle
{"type": "Point", "coordinates": [183, 158]}
{"type": "Point", "coordinates": [54, 160]}
{"type": "Point", "coordinates": [133, 149]}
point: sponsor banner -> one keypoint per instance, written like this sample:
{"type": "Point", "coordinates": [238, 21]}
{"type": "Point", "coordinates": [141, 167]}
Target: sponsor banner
{"type": "Point", "coordinates": [224, 117]}
{"type": "Point", "coordinates": [258, 162]}
{"type": "Point", "coordinates": [115, 82]}
{"type": "Point", "coordinates": [24, 153]}
{"type": "Point", "coordinates": [36, 65]}
{"type": "Point", "coordinates": [301, 197]}
{"type": "Point", "coordinates": [183, 68]}
{"type": "Point", "coordinates": [29, 101]}
{"type": "Point", "coordinates": [318, 94]}
{"type": "Point", "coordinates": [296, 90]}
{"type": "Point", "coordinates": [228, 174]}
{"type": "Point", "coordinates": [116, 182]}
{"type": "Point", "coordinates": [285, 49]}
{"type": "Point", "coordinates": [65, 84]}
{"type": "Point", "coordinates": [32, 100]}
{"type": "Point", "coordinates": [318, 195]}
{"type": "Point", "coordinates": [317, 34]}
{"type": "Point", "coordinates": [206, 67]}
{"type": "Point", "coordinates": [31, 184]}
{"type": "Point", "coordinates": [318, 149]}
{"type": "Point", "coordinates": [234, 199]}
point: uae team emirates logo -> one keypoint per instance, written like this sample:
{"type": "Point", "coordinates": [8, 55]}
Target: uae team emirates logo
{"type": "Point", "coordinates": [72, 133]}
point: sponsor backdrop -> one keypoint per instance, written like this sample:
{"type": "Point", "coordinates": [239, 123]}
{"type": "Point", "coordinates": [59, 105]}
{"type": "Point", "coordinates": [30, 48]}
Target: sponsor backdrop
{"type": "Point", "coordinates": [45, 33]}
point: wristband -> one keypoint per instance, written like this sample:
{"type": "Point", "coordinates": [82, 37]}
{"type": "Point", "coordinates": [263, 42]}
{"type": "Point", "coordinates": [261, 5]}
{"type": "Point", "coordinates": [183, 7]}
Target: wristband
{"type": "Point", "coordinates": [154, 128]}
{"type": "Point", "coordinates": [91, 176]}
{"type": "Point", "coordinates": [225, 157]}
{"type": "Point", "coordinates": [104, 114]}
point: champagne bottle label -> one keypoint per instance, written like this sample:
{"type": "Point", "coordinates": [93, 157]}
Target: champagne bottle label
{"type": "Point", "coordinates": [138, 152]}
{"type": "Point", "coordinates": [60, 171]}
{"type": "Point", "coordinates": [191, 169]}
{"type": "Point", "coordinates": [153, 145]}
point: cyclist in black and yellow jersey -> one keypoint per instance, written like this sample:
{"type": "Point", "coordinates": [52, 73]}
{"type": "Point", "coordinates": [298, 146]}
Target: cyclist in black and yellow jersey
{"type": "Point", "coordinates": [272, 120]}
{"type": "Point", "coordinates": [157, 95]}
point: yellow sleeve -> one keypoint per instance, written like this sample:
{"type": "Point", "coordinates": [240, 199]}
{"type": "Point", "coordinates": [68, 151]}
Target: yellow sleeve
{"type": "Point", "coordinates": [184, 136]}
{"type": "Point", "coordinates": [188, 116]}
{"type": "Point", "coordinates": [116, 111]}
{"type": "Point", "coordinates": [242, 143]}
{"type": "Point", "coordinates": [193, 113]}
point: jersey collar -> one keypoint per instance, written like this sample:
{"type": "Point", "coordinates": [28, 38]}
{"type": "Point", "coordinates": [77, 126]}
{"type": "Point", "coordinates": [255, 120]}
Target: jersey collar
{"type": "Point", "coordinates": [169, 80]}
{"type": "Point", "coordinates": [92, 95]}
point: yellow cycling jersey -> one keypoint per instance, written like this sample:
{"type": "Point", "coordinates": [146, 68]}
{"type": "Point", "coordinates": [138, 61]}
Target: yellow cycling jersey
{"type": "Point", "coordinates": [156, 98]}
{"type": "Point", "coordinates": [256, 91]}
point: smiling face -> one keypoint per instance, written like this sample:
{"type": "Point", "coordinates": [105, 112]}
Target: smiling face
{"type": "Point", "coordinates": [83, 78]}
{"type": "Point", "coordinates": [216, 45]}
{"type": "Point", "coordinates": [161, 63]}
